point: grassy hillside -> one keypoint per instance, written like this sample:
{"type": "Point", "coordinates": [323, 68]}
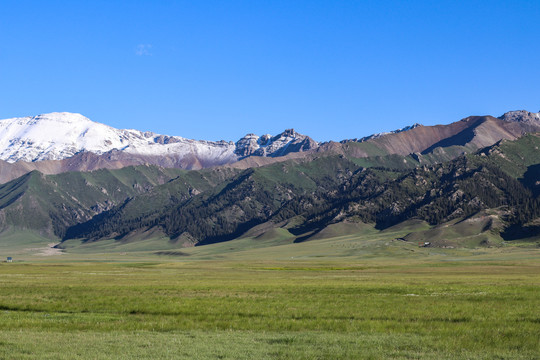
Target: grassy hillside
{"type": "Point", "coordinates": [514, 157]}
{"type": "Point", "coordinates": [313, 196]}
{"type": "Point", "coordinates": [232, 206]}
{"type": "Point", "coordinates": [50, 203]}
{"type": "Point", "coordinates": [327, 190]}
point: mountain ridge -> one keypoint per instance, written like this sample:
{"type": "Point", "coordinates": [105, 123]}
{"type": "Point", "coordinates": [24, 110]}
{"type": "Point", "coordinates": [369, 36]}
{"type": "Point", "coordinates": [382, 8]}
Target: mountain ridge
{"type": "Point", "coordinates": [25, 147]}
{"type": "Point", "coordinates": [58, 136]}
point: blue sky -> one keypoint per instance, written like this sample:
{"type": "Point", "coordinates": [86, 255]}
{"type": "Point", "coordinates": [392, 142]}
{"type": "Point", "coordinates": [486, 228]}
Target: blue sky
{"type": "Point", "coordinates": [220, 69]}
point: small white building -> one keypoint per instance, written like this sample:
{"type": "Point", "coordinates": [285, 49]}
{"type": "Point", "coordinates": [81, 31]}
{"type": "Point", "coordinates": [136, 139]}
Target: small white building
{"type": "Point", "coordinates": [9, 259]}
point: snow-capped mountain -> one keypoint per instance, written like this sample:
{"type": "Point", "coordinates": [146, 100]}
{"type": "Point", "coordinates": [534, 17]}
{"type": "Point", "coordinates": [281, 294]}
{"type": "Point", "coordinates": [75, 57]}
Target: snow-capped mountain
{"type": "Point", "coordinates": [59, 136]}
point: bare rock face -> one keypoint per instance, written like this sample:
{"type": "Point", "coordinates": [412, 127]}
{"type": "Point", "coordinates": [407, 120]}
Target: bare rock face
{"type": "Point", "coordinates": [280, 145]}
{"type": "Point", "coordinates": [471, 133]}
{"type": "Point", "coordinates": [521, 116]}
{"type": "Point", "coordinates": [247, 145]}
{"type": "Point", "coordinates": [522, 121]}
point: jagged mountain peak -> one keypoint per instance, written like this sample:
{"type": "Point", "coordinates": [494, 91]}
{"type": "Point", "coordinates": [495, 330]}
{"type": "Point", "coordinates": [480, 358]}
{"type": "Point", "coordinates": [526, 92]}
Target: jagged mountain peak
{"type": "Point", "coordinates": [521, 116]}
{"type": "Point", "coordinates": [289, 132]}
{"type": "Point", "coordinates": [279, 145]}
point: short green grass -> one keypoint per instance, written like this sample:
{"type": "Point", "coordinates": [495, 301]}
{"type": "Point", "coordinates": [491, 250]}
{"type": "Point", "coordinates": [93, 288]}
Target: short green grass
{"type": "Point", "coordinates": [271, 310]}
{"type": "Point", "coordinates": [361, 294]}
{"type": "Point", "coordinates": [15, 242]}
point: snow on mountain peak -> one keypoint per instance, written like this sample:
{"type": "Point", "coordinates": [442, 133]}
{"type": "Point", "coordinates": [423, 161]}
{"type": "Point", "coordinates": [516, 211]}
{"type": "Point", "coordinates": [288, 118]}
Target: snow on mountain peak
{"type": "Point", "coordinates": [61, 135]}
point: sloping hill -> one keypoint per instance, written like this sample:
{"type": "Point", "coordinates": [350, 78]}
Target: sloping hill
{"type": "Point", "coordinates": [236, 205]}
{"type": "Point", "coordinates": [49, 204]}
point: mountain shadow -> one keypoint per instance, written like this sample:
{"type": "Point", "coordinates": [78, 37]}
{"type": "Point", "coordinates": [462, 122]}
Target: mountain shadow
{"type": "Point", "coordinates": [462, 138]}
{"type": "Point", "coordinates": [531, 179]}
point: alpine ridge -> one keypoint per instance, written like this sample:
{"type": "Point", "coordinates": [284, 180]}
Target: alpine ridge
{"type": "Point", "coordinates": [61, 136]}
{"type": "Point", "coordinates": [60, 142]}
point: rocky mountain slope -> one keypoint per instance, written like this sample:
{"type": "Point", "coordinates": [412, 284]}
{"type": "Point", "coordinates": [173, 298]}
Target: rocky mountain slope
{"type": "Point", "coordinates": [466, 135]}
{"type": "Point", "coordinates": [287, 142]}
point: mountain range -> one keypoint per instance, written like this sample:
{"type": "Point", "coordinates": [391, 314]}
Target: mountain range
{"type": "Point", "coordinates": [66, 177]}
{"type": "Point", "coordinates": [59, 142]}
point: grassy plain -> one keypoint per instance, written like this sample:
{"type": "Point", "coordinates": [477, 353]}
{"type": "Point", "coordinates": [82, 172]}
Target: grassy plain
{"type": "Point", "coordinates": [355, 296]}
{"type": "Point", "coordinates": [273, 310]}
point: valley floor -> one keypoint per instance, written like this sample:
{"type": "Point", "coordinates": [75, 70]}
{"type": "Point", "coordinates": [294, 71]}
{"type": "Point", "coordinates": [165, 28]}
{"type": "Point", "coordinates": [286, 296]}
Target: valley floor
{"type": "Point", "coordinates": [365, 295]}
{"type": "Point", "coordinates": [272, 309]}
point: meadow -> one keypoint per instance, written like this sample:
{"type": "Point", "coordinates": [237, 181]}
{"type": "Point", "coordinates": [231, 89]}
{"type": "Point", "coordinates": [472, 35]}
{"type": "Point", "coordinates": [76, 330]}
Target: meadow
{"type": "Point", "coordinates": [270, 310]}
{"type": "Point", "coordinates": [366, 295]}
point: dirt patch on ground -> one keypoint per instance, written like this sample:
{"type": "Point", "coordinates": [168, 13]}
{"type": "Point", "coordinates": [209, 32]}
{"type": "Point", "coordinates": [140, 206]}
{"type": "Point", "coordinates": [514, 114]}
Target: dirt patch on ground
{"type": "Point", "coordinates": [49, 250]}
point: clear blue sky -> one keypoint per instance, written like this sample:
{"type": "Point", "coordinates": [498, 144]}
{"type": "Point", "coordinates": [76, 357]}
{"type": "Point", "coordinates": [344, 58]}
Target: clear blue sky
{"type": "Point", "coordinates": [220, 69]}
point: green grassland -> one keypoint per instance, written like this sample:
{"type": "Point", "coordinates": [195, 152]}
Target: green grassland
{"type": "Point", "coordinates": [353, 293]}
{"type": "Point", "coordinates": [270, 310]}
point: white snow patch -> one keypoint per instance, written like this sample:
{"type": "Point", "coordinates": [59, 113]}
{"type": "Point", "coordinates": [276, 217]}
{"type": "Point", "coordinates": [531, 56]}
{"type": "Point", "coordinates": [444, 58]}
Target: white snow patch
{"type": "Point", "coordinates": [57, 136]}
